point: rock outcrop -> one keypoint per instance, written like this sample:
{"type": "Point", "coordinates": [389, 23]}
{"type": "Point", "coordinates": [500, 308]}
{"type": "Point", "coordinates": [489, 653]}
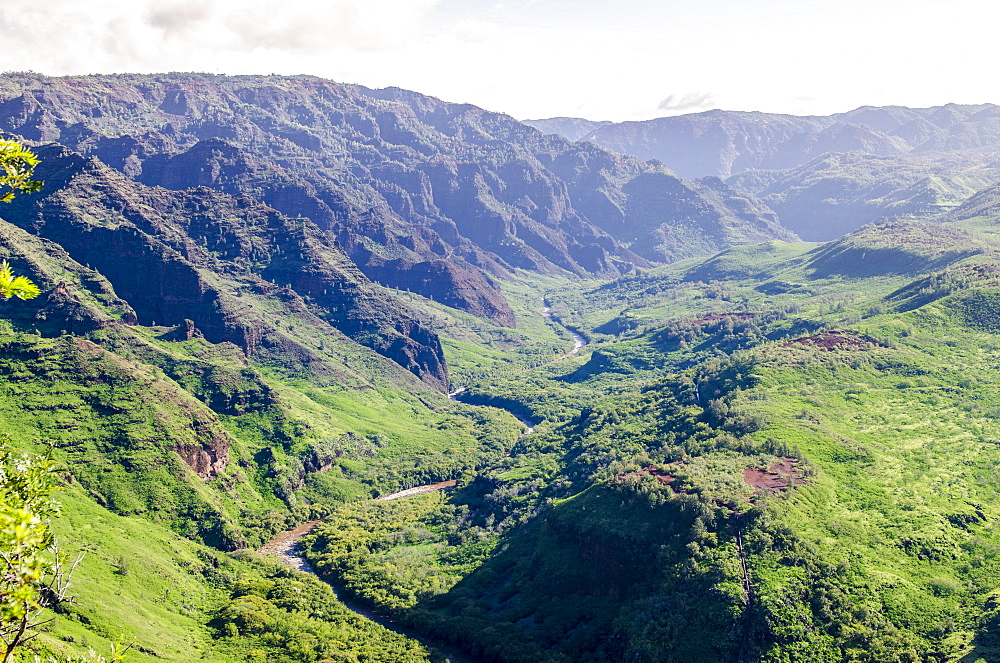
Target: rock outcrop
{"type": "Point", "coordinates": [441, 199]}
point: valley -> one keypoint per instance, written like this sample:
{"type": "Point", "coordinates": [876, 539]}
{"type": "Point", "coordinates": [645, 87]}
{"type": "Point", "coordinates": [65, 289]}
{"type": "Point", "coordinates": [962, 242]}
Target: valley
{"type": "Point", "coordinates": [522, 397]}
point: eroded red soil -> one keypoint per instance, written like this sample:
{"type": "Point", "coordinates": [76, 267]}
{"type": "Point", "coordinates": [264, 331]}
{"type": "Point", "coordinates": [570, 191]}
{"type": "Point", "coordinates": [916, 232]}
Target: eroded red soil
{"type": "Point", "coordinates": [661, 475]}
{"type": "Point", "coordinates": [776, 479]}
{"type": "Point", "coordinates": [834, 339]}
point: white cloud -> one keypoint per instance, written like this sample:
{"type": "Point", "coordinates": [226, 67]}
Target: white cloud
{"type": "Point", "coordinates": [687, 103]}
{"type": "Point", "coordinates": [538, 58]}
{"type": "Point", "coordinates": [177, 19]}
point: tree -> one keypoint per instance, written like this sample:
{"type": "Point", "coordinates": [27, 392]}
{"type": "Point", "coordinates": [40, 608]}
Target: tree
{"type": "Point", "coordinates": [15, 286]}
{"type": "Point", "coordinates": [33, 574]}
{"type": "Point", "coordinates": [17, 166]}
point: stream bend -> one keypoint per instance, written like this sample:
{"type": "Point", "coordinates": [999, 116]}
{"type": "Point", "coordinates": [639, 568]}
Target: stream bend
{"type": "Point", "coordinates": [285, 546]}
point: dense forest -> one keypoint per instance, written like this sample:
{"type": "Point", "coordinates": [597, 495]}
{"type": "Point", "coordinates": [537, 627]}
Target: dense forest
{"type": "Point", "coordinates": [262, 303]}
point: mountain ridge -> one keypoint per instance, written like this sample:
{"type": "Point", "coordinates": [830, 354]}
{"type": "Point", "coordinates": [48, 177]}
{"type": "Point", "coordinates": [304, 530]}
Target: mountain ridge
{"type": "Point", "coordinates": [724, 143]}
{"type": "Point", "coordinates": [403, 180]}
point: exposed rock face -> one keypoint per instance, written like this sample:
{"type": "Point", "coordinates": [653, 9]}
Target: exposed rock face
{"type": "Point", "coordinates": [224, 263]}
{"type": "Point", "coordinates": [206, 462]}
{"type": "Point", "coordinates": [439, 198]}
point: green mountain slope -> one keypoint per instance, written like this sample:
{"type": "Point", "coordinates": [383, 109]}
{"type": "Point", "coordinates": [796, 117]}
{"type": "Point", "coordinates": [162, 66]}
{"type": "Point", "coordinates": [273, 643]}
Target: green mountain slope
{"type": "Point", "coordinates": [172, 600]}
{"type": "Point", "coordinates": [227, 264]}
{"type": "Point", "coordinates": [791, 459]}
{"type": "Point", "coordinates": [839, 192]}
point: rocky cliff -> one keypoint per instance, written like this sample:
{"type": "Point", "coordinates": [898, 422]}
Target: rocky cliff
{"type": "Point", "coordinates": [442, 199]}
{"type": "Point", "coordinates": [232, 268]}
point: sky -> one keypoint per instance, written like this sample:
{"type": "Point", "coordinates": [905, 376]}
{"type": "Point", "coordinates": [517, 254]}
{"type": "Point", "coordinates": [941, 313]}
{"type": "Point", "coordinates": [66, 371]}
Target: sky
{"type": "Point", "coordinates": [596, 59]}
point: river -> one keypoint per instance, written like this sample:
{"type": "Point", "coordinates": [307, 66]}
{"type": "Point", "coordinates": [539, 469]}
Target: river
{"type": "Point", "coordinates": [285, 546]}
{"type": "Point", "coordinates": [578, 340]}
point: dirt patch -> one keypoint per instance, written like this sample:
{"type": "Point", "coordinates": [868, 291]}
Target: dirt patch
{"type": "Point", "coordinates": [776, 479]}
{"type": "Point", "coordinates": [284, 546]}
{"type": "Point", "coordinates": [833, 340]}
{"type": "Point", "coordinates": [661, 475]}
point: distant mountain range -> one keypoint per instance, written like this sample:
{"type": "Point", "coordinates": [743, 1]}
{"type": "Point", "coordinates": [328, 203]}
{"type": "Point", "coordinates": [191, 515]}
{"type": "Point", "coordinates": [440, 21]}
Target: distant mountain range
{"type": "Point", "coordinates": [894, 162]}
{"type": "Point", "coordinates": [724, 143]}
{"type": "Point", "coordinates": [436, 198]}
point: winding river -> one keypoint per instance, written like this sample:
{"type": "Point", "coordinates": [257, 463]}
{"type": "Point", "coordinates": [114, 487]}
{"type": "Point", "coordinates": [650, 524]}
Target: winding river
{"type": "Point", "coordinates": [578, 340]}
{"type": "Point", "coordinates": [285, 546]}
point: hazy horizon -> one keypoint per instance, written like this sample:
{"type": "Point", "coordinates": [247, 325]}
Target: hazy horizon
{"type": "Point", "coordinates": [536, 59]}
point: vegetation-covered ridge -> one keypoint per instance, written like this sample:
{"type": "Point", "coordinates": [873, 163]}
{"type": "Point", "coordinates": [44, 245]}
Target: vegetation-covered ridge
{"type": "Point", "coordinates": [793, 460]}
{"type": "Point", "coordinates": [781, 452]}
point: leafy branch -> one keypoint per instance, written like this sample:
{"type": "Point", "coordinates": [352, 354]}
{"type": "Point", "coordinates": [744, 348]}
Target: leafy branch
{"type": "Point", "coordinates": [15, 286]}
{"type": "Point", "coordinates": [17, 164]}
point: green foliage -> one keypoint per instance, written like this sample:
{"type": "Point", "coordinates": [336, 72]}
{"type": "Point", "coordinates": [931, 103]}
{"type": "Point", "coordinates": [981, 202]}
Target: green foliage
{"type": "Point", "coordinates": [394, 554]}
{"type": "Point", "coordinates": [30, 563]}
{"type": "Point", "coordinates": [17, 164]}
{"type": "Point", "coordinates": [293, 617]}
{"type": "Point", "coordinates": [879, 544]}
{"type": "Point", "coordinates": [15, 286]}
{"type": "Point", "coordinates": [117, 654]}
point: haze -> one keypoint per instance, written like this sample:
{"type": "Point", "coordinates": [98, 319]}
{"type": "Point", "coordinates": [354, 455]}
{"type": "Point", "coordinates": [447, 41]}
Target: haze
{"type": "Point", "coordinates": [631, 59]}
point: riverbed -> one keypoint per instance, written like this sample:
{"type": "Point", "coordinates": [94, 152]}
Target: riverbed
{"type": "Point", "coordinates": [285, 546]}
{"type": "Point", "coordinates": [578, 340]}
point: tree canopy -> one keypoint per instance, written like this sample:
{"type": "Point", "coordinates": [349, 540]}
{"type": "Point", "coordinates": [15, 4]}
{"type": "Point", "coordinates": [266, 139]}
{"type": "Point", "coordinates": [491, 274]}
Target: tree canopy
{"type": "Point", "coordinates": [17, 165]}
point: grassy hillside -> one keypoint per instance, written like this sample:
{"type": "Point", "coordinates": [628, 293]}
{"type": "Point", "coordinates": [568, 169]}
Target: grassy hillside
{"type": "Point", "coordinates": [172, 443]}
{"type": "Point", "coordinates": [785, 452]}
{"type": "Point", "coordinates": [782, 453]}
{"type": "Point", "coordinates": [172, 599]}
{"type": "Point", "coordinates": [196, 446]}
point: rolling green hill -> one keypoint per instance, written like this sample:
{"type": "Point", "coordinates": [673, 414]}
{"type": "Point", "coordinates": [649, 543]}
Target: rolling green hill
{"type": "Point", "coordinates": [792, 459]}
{"type": "Point", "coordinates": [780, 451]}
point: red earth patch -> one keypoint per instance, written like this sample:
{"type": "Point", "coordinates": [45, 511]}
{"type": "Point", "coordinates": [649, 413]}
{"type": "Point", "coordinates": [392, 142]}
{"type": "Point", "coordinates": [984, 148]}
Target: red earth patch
{"type": "Point", "coordinates": [777, 479]}
{"type": "Point", "coordinates": [661, 475]}
{"type": "Point", "coordinates": [833, 339]}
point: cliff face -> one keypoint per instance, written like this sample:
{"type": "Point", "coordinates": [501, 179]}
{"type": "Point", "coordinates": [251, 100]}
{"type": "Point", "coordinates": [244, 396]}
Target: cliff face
{"type": "Point", "coordinates": [237, 270]}
{"type": "Point", "coordinates": [442, 199]}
